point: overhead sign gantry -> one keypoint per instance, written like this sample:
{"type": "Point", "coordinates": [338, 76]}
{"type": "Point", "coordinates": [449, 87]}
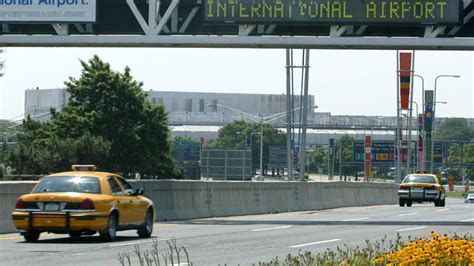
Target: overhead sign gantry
{"type": "Point", "coordinates": [333, 24]}
{"type": "Point", "coordinates": [364, 12]}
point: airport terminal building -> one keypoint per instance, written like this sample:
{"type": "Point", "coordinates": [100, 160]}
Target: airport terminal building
{"type": "Point", "coordinates": [199, 114]}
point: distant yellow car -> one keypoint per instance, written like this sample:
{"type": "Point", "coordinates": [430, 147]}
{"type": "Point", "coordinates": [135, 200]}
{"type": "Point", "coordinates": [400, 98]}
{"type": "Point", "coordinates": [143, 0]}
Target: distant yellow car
{"type": "Point", "coordinates": [420, 188]}
{"type": "Point", "coordinates": [83, 202]}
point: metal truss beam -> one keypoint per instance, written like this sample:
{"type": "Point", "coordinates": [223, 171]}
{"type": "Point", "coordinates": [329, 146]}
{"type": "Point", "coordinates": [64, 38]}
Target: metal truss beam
{"type": "Point", "coordinates": [466, 19]}
{"type": "Point", "coordinates": [238, 42]}
{"type": "Point", "coordinates": [245, 30]}
{"type": "Point", "coordinates": [432, 32]}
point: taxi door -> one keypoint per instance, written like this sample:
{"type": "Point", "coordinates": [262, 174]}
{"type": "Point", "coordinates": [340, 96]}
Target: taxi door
{"type": "Point", "coordinates": [121, 201]}
{"type": "Point", "coordinates": [137, 206]}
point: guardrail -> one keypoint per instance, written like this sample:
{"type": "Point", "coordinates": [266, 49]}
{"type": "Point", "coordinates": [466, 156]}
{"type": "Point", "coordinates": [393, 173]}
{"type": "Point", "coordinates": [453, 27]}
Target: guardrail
{"type": "Point", "coordinates": [175, 200]}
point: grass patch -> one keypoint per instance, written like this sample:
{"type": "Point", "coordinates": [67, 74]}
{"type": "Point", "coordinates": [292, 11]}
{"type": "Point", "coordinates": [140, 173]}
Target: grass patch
{"type": "Point", "coordinates": [458, 195]}
{"type": "Point", "coordinates": [173, 256]}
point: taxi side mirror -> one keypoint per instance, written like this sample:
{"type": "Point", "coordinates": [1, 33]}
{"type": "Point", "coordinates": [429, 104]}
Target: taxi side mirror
{"type": "Point", "coordinates": [139, 192]}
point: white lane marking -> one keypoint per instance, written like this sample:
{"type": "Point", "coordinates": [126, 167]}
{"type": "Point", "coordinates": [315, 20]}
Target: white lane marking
{"type": "Point", "coordinates": [407, 214]}
{"type": "Point", "coordinates": [271, 228]}
{"type": "Point", "coordinates": [316, 243]}
{"type": "Point", "coordinates": [355, 219]}
{"type": "Point", "coordinates": [410, 229]}
{"type": "Point", "coordinates": [468, 220]}
{"type": "Point", "coordinates": [136, 243]}
{"type": "Point", "coordinates": [442, 210]}
{"type": "Point", "coordinates": [125, 244]}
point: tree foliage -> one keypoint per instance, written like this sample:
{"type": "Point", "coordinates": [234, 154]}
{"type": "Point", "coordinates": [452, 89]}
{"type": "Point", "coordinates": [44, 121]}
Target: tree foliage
{"type": "Point", "coordinates": [107, 122]}
{"type": "Point", "coordinates": [319, 159]}
{"type": "Point", "coordinates": [456, 129]}
{"type": "Point", "coordinates": [234, 136]}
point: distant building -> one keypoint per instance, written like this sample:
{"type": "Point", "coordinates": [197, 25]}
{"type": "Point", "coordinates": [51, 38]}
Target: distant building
{"type": "Point", "coordinates": [198, 114]}
{"type": "Point", "coordinates": [40, 101]}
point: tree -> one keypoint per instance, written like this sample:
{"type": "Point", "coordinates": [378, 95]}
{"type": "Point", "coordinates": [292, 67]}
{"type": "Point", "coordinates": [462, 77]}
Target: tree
{"type": "Point", "coordinates": [108, 121]}
{"type": "Point", "coordinates": [347, 154]}
{"type": "Point", "coordinates": [456, 129]}
{"type": "Point", "coordinates": [469, 159]}
{"type": "Point", "coordinates": [319, 159]}
{"type": "Point", "coordinates": [233, 136]}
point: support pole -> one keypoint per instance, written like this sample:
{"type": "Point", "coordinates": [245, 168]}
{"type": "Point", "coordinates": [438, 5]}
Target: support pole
{"type": "Point", "coordinates": [399, 134]}
{"type": "Point", "coordinates": [410, 116]}
{"type": "Point", "coordinates": [288, 116]}
{"type": "Point", "coordinates": [305, 116]}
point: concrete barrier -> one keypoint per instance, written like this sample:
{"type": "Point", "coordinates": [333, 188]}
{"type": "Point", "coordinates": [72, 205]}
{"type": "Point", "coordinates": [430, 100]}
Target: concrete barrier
{"type": "Point", "coordinates": [9, 193]}
{"type": "Point", "coordinates": [179, 199]}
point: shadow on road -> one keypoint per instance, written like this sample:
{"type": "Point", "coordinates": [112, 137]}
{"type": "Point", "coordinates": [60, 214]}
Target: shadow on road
{"type": "Point", "coordinates": [94, 239]}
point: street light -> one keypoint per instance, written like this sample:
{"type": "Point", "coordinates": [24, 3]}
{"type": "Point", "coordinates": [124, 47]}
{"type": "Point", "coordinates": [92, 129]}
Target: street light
{"type": "Point", "coordinates": [257, 119]}
{"type": "Point", "coordinates": [434, 114]}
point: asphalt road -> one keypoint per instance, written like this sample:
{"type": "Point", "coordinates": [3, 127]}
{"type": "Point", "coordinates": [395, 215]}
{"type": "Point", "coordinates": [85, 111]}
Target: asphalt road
{"type": "Point", "coordinates": [249, 239]}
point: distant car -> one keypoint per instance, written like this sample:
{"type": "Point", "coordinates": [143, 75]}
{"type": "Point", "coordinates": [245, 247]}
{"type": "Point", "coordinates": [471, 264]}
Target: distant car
{"type": "Point", "coordinates": [469, 197]}
{"type": "Point", "coordinates": [83, 202]}
{"type": "Point", "coordinates": [421, 188]}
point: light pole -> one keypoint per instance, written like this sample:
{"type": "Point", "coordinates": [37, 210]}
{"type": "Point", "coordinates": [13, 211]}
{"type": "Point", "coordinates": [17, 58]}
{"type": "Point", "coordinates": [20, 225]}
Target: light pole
{"type": "Point", "coordinates": [434, 114]}
{"type": "Point", "coordinates": [257, 119]}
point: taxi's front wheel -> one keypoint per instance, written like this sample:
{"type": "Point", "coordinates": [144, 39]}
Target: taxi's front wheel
{"type": "Point", "coordinates": [147, 227]}
{"type": "Point", "coordinates": [31, 236]}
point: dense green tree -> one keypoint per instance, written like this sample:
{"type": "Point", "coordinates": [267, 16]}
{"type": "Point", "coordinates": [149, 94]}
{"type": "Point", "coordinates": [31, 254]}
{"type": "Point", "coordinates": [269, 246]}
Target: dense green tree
{"type": "Point", "coordinates": [347, 151]}
{"type": "Point", "coordinates": [108, 121]}
{"type": "Point", "coordinates": [234, 135]}
{"type": "Point", "coordinates": [468, 158]}
{"type": "Point", "coordinates": [319, 159]}
{"type": "Point", "coordinates": [456, 129]}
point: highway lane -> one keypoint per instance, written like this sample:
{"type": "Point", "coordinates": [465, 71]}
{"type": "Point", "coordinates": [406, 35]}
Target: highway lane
{"type": "Point", "coordinates": [250, 239]}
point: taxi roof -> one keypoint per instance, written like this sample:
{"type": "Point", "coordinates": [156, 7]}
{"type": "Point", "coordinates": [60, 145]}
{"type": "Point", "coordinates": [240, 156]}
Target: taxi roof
{"type": "Point", "coordinates": [84, 173]}
{"type": "Point", "coordinates": [421, 174]}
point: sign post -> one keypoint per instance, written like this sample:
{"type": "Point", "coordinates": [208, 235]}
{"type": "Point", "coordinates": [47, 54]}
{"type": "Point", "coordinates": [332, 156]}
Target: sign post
{"type": "Point", "coordinates": [368, 157]}
{"type": "Point", "coordinates": [331, 160]}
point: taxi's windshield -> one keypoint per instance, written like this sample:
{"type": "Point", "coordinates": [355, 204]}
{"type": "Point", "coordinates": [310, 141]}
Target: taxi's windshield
{"type": "Point", "coordinates": [82, 184]}
{"type": "Point", "coordinates": [419, 179]}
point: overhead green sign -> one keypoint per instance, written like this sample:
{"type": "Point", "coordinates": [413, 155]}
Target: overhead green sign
{"type": "Point", "coordinates": [346, 12]}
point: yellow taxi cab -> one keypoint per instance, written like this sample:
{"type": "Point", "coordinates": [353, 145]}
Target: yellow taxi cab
{"type": "Point", "coordinates": [83, 202]}
{"type": "Point", "coordinates": [421, 188]}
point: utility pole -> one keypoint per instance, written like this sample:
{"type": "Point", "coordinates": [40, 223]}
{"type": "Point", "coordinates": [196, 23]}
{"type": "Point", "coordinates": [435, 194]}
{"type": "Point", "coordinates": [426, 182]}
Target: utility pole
{"type": "Point", "coordinates": [305, 116]}
{"type": "Point", "coordinates": [289, 147]}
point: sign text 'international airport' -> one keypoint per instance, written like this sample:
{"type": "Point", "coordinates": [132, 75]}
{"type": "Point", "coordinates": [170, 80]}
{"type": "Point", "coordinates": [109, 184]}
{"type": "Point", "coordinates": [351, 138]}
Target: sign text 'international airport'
{"type": "Point", "coordinates": [345, 12]}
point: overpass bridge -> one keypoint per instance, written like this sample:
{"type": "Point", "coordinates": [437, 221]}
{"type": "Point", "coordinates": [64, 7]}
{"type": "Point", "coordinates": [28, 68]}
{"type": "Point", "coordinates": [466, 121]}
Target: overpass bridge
{"type": "Point", "coordinates": [190, 23]}
{"type": "Point", "coordinates": [315, 121]}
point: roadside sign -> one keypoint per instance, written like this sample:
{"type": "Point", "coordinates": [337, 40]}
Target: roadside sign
{"type": "Point", "coordinates": [278, 156]}
{"type": "Point", "coordinates": [187, 151]}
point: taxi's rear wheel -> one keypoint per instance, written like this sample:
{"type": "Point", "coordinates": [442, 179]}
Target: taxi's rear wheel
{"type": "Point", "coordinates": [75, 234]}
{"type": "Point", "coordinates": [110, 233]}
{"type": "Point", "coordinates": [401, 202]}
{"type": "Point", "coordinates": [147, 227]}
{"type": "Point", "coordinates": [31, 236]}
{"type": "Point", "coordinates": [442, 202]}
